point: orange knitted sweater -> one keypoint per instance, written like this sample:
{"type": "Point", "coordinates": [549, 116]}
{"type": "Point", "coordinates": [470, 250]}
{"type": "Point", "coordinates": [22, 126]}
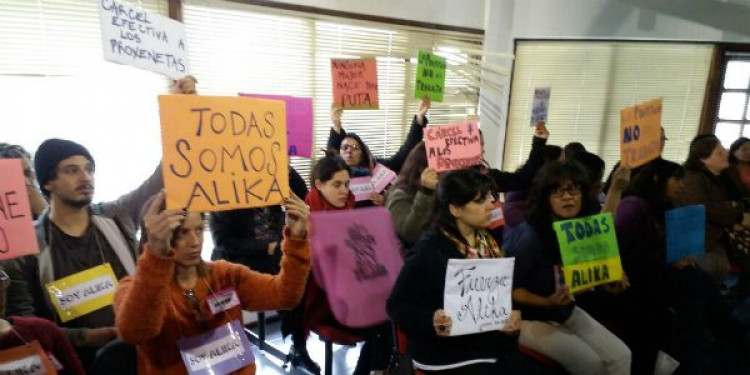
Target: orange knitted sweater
{"type": "Point", "coordinates": [152, 312]}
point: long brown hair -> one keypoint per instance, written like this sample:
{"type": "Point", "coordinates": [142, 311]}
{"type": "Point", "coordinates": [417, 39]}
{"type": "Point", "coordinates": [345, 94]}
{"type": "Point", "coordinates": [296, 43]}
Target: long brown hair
{"type": "Point", "coordinates": [700, 148]}
{"type": "Point", "coordinates": [410, 177]}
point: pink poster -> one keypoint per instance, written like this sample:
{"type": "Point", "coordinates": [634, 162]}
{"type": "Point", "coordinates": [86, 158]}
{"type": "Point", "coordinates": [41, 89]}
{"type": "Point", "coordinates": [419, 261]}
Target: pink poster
{"type": "Point", "coordinates": [356, 260]}
{"type": "Point", "coordinates": [455, 146]}
{"type": "Point", "coordinates": [355, 83]}
{"type": "Point", "coordinates": [17, 235]}
{"type": "Point", "coordinates": [299, 122]}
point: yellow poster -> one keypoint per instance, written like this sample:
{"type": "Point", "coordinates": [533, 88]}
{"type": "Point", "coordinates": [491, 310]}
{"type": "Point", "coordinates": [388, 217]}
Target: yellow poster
{"type": "Point", "coordinates": [84, 292]}
{"type": "Point", "coordinates": [223, 153]}
{"type": "Point", "coordinates": [640, 133]}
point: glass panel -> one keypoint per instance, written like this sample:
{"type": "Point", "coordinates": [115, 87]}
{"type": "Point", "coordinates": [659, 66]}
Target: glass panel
{"type": "Point", "coordinates": [727, 132]}
{"type": "Point", "coordinates": [737, 75]}
{"type": "Point", "coordinates": [732, 106]}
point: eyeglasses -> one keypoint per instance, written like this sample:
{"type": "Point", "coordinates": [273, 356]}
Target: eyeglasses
{"type": "Point", "coordinates": [349, 148]}
{"type": "Point", "coordinates": [195, 304]}
{"type": "Point", "coordinates": [572, 190]}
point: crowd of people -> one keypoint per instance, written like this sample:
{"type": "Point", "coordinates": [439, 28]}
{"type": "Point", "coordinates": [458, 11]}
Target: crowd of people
{"type": "Point", "coordinates": [167, 296]}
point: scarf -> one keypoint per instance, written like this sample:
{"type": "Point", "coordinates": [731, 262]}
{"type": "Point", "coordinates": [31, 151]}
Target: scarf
{"type": "Point", "coordinates": [486, 246]}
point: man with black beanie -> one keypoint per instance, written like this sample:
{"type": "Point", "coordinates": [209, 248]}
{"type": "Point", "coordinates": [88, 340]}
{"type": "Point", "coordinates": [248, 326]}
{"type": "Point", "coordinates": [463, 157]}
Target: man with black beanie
{"type": "Point", "coordinates": [76, 236]}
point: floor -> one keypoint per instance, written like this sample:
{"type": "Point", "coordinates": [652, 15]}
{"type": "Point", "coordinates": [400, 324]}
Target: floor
{"type": "Point", "coordinates": [344, 358]}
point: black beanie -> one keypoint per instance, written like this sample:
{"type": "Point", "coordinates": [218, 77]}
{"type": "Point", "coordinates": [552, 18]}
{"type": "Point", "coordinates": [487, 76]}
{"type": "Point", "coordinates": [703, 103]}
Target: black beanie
{"type": "Point", "coordinates": [50, 153]}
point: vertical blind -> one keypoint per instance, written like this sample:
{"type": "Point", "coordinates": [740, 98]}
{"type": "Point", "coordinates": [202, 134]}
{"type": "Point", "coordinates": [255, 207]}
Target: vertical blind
{"type": "Point", "coordinates": [592, 81]}
{"type": "Point", "coordinates": [57, 84]}
{"type": "Point", "coordinates": [245, 48]}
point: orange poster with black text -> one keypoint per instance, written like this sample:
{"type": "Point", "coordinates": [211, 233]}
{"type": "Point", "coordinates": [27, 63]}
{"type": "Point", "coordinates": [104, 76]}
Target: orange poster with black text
{"type": "Point", "coordinates": [27, 359]}
{"type": "Point", "coordinates": [640, 133]}
{"type": "Point", "coordinates": [355, 83]}
{"type": "Point", "coordinates": [223, 153]}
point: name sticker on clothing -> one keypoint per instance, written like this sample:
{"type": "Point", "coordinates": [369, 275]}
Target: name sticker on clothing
{"type": "Point", "coordinates": [496, 216]}
{"type": "Point", "coordinates": [220, 351]}
{"type": "Point", "coordinates": [84, 292]}
{"type": "Point", "coordinates": [223, 301]}
{"type": "Point", "coordinates": [27, 359]}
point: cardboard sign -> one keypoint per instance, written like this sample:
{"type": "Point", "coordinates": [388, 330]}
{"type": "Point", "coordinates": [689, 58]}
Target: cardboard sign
{"type": "Point", "coordinates": [589, 250]}
{"type": "Point", "coordinates": [478, 294]}
{"type": "Point", "coordinates": [132, 36]}
{"type": "Point", "coordinates": [640, 133]}
{"type": "Point", "coordinates": [17, 235]}
{"type": "Point", "coordinates": [363, 187]}
{"type": "Point", "coordinates": [299, 123]}
{"type": "Point", "coordinates": [356, 260]}
{"type": "Point", "coordinates": [686, 232]}
{"type": "Point", "coordinates": [430, 77]}
{"type": "Point", "coordinates": [83, 293]}
{"type": "Point", "coordinates": [540, 105]}
{"type": "Point", "coordinates": [355, 83]}
{"type": "Point", "coordinates": [454, 146]}
{"type": "Point", "coordinates": [497, 218]}
{"type": "Point", "coordinates": [223, 153]}
{"type": "Point", "coordinates": [27, 359]}
{"type": "Point", "coordinates": [221, 351]}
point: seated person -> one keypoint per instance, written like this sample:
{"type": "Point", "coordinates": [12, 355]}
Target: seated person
{"type": "Point", "coordinates": [173, 295]}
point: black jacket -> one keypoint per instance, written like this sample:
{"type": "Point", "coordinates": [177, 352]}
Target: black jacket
{"type": "Point", "coordinates": [419, 292]}
{"type": "Point", "coordinates": [396, 161]}
{"type": "Point", "coordinates": [242, 236]}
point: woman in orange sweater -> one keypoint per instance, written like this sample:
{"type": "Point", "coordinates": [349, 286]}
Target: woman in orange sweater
{"type": "Point", "coordinates": [180, 311]}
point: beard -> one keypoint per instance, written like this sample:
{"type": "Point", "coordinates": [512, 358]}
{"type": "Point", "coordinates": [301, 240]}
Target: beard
{"type": "Point", "coordinates": [77, 203]}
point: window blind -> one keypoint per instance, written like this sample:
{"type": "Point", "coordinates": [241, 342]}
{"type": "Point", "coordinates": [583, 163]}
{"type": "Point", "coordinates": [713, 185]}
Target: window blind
{"type": "Point", "coordinates": [57, 84]}
{"type": "Point", "coordinates": [592, 81]}
{"type": "Point", "coordinates": [238, 47]}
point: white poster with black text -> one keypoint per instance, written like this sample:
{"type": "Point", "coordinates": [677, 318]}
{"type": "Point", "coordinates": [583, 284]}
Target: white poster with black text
{"type": "Point", "coordinates": [149, 41]}
{"type": "Point", "coordinates": [478, 294]}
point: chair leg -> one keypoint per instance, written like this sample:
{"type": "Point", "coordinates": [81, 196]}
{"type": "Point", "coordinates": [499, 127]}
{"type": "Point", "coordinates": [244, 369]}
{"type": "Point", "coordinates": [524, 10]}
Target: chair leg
{"type": "Point", "coordinates": [261, 330]}
{"type": "Point", "coordinates": [329, 357]}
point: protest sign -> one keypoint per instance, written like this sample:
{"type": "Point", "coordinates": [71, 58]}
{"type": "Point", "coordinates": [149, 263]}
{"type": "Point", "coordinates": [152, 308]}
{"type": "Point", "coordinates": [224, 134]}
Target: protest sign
{"type": "Point", "coordinates": [223, 350]}
{"type": "Point", "coordinates": [132, 36]}
{"type": "Point", "coordinates": [363, 187]}
{"type": "Point", "coordinates": [589, 250]}
{"type": "Point", "coordinates": [540, 105]}
{"type": "Point", "coordinates": [478, 294]}
{"type": "Point", "coordinates": [430, 77]}
{"type": "Point", "coordinates": [355, 83]}
{"type": "Point", "coordinates": [640, 133]}
{"type": "Point", "coordinates": [223, 153]}
{"type": "Point", "coordinates": [17, 235]}
{"type": "Point", "coordinates": [27, 359]}
{"type": "Point", "coordinates": [299, 123]}
{"type": "Point", "coordinates": [686, 232]}
{"type": "Point", "coordinates": [454, 146]}
{"type": "Point", "coordinates": [356, 260]}
{"type": "Point", "coordinates": [83, 292]}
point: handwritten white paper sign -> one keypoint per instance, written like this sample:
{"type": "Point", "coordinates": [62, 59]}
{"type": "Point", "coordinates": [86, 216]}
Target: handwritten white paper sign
{"type": "Point", "coordinates": [478, 294]}
{"type": "Point", "coordinates": [132, 36]}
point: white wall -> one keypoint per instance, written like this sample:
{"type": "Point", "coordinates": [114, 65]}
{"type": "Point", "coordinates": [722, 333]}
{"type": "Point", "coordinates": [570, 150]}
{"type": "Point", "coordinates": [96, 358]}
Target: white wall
{"type": "Point", "coordinates": [461, 13]}
{"type": "Point", "coordinates": [674, 20]}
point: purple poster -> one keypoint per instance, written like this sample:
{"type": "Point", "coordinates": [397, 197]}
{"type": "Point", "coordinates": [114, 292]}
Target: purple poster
{"type": "Point", "coordinates": [356, 259]}
{"type": "Point", "coordinates": [299, 122]}
{"type": "Point", "coordinates": [220, 351]}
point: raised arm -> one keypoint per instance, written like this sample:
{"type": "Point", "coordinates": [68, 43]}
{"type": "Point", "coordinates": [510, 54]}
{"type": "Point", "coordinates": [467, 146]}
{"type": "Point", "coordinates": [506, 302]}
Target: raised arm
{"type": "Point", "coordinates": [521, 179]}
{"type": "Point", "coordinates": [283, 291]}
{"type": "Point", "coordinates": [415, 135]}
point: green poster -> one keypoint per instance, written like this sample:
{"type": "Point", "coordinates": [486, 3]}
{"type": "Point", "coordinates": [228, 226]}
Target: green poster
{"type": "Point", "coordinates": [589, 250]}
{"type": "Point", "coordinates": [430, 77]}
